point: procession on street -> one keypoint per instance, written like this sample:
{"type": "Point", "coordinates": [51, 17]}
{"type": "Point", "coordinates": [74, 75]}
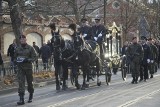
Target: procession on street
{"type": "Point", "coordinates": [80, 43]}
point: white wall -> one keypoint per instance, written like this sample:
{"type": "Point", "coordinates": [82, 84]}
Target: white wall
{"type": "Point", "coordinates": [8, 39]}
{"type": "Point", "coordinates": [34, 37]}
{"type": "Point", "coordinates": [47, 37]}
{"type": "Point", "coordinates": [31, 37]}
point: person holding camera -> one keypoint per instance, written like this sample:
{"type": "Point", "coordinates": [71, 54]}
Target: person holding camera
{"type": "Point", "coordinates": [24, 56]}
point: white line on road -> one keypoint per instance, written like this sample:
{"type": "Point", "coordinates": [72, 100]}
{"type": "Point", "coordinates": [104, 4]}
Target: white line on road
{"type": "Point", "coordinates": [83, 97]}
{"type": "Point", "coordinates": [73, 99]}
{"type": "Point", "coordinates": [129, 103]}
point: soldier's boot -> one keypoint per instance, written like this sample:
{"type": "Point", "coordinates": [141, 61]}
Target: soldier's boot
{"type": "Point", "coordinates": [151, 76]}
{"type": "Point", "coordinates": [30, 97]}
{"type": "Point", "coordinates": [136, 80]}
{"type": "Point", "coordinates": [21, 101]}
{"type": "Point", "coordinates": [133, 80]}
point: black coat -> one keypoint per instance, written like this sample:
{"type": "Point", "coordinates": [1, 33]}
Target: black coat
{"type": "Point", "coordinates": [1, 60]}
{"type": "Point", "coordinates": [11, 50]}
{"type": "Point", "coordinates": [85, 30]}
{"type": "Point", "coordinates": [36, 48]}
{"type": "Point", "coordinates": [96, 30]}
{"type": "Point", "coordinates": [147, 53]}
{"type": "Point", "coordinates": [124, 48]}
{"type": "Point", "coordinates": [45, 51]}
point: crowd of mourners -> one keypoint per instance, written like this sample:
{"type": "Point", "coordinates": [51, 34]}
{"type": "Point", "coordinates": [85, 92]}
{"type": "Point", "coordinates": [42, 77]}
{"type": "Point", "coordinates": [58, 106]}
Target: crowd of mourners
{"type": "Point", "coordinates": [143, 58]}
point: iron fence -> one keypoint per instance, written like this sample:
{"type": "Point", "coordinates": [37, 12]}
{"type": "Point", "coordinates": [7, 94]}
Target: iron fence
{"type": "Point", "coordinates": [8, 69]}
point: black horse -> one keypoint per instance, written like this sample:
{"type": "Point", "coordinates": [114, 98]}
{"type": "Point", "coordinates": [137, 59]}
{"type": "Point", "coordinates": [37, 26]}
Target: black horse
{"type": "Point", "coordinates": [63, 58]}
{"type": "Point", "coordinates": [88, 56]}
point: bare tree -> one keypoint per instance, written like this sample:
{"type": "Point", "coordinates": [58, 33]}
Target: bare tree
{"type": "Point", "coordinates": [151, 10]}
{"type": "Point", "coordinates": [129, 17]}
{"type": "Point", "coordinates": [0, 13]}
{"type": "Point", "coordinates": [66, 8]}
{"type": "Point", "coordinates": [16, 18]}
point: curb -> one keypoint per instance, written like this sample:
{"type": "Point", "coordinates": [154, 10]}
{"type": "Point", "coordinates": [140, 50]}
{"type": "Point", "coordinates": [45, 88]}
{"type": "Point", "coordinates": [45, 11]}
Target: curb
{"type": "Point", "coordinates": [35, 85]}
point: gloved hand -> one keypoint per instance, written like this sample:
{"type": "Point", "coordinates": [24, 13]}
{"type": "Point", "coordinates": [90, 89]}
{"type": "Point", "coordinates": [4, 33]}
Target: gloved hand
{"type": "Point", "coordinates": [152, 61]}
{"type": "Point", "coordinates": [84, 35]}
{"type": "Point", "coordinates": [100, 35]}
{"type": "Point", "coordinates": [148, 60]}
{"type": "Point", "coordinates": [124, 55]}
{"type": "Point", "coordinates": [95, 38]}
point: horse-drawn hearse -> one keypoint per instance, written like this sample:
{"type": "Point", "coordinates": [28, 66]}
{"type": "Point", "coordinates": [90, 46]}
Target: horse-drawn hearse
{"type": "Point", "coordinates": [77, 55]}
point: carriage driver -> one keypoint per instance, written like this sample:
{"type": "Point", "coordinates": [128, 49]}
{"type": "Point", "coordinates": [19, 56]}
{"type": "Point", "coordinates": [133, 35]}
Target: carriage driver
{"type": "Point", "coordinates": [98, 32]}
{"type": "Point", "coordinates": [85, 29]}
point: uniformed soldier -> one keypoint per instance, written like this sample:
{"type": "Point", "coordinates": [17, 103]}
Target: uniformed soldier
{"type": "Point", "coordinates": [154, 56]}
{"type": "Point", "coordinates": [157, 54]}
{"type": "Point", "coordinates": [135, 55]}
{"type": "Point", "coordinates": [146, 60]}
{"type": "Point", "coordinates": [98, 33]}
{"type": "Point", "coordinates": [85, 29]}
{"type": "Point", "coordinates": [24, 56]}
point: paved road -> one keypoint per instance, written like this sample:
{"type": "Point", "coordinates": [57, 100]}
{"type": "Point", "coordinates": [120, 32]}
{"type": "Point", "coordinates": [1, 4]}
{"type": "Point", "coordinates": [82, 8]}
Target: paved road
{"type": "Point", "coordinates": [119, 94]}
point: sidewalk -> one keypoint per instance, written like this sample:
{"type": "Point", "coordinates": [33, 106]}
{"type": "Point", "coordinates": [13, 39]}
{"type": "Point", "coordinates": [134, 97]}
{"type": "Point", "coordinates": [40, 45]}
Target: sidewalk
{"type": "Point", "coordinates": [4, 89]}
{"type": "Point", "coordinates": [41, 79]}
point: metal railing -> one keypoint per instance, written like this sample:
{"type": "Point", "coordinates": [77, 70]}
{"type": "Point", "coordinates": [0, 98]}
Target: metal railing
{"type": "Point", "coordinates": [7, 69]}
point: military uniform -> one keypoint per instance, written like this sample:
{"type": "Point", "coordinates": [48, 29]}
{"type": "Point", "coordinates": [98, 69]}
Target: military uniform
{"type": "Point", "coordinates": [135, 55]}
{"type": "Point", "coordinates": [24, 56]}
{"type": "Point", "coordinates": [145, 61]}
{"type": "Point", "coordinates": [85, 31]}
{"type": "Point", "coordinates": [98, 35]}
{"type": "Point", "coordinates": [154, 57]}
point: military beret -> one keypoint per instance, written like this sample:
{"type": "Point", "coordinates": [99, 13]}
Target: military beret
{"type": "Point", "coordinates": [134, 38]}
{"type": "Point", "coordinates": [22, 36]}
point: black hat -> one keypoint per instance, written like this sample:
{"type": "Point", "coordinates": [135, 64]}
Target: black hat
{"type": "Point", "coordinates": [83, 19]}
{"type": "Point", "coordinates": [73, 26]}
{"type": "Point", "coordinates": [52, 26]}
{"type": "Point", "coordinates": [22, 36]}
{"type": "Point", "coordinates": [149, 39]}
